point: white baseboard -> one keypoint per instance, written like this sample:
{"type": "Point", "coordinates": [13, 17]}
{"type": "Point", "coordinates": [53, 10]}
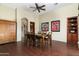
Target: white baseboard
{"type": "Point", "coordinates": [61, 41]}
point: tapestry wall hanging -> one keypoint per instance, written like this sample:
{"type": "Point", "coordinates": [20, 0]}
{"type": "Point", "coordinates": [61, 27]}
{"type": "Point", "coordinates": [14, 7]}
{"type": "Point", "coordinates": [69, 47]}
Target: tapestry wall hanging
{"type": "Point", "coordinates": [45, 26]}
{"type": "Point", "coordinates": [55, 26]}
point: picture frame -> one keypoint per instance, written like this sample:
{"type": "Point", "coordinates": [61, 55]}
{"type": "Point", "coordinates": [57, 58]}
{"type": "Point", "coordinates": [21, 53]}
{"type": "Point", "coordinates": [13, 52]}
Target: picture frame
{"type": "Point", "coordinates": [55, 26]}
{"type": "Point", "coordinates": [45, 26]}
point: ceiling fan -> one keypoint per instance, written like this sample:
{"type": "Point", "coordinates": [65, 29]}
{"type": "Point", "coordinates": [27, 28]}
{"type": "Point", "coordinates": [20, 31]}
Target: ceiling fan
{"type": "Point", "coordinates": [38, 8]}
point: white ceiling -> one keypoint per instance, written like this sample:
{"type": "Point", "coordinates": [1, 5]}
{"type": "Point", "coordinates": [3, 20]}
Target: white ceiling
{"type": "Point", "coordinates": [26, 6]}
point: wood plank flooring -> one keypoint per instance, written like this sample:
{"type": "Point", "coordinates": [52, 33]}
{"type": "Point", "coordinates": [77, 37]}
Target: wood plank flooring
{"type": "Point", "coordinates": [20, 49]}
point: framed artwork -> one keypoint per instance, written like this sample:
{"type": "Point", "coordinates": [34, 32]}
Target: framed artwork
{"type": "Point", "coordinates": [55, 26]}
{"type": "Point", "coordinates": [45, 26]}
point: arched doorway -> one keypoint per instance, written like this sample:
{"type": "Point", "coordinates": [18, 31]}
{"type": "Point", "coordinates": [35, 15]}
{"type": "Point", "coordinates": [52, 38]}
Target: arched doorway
{"type": "Point", "coordinates": [24, 29]}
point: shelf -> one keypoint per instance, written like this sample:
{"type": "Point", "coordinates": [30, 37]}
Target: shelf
{"type": "Point", "coordinates": [73, 31]}
{"type": "Point", "coordinates": [72, 24]}
{"type": "Point", "coordinates": [72, 28]}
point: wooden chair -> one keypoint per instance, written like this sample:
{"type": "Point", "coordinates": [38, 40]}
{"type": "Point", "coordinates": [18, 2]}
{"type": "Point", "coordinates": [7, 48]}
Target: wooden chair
{"type": "Point", "coordinates": [46, 40]}
{"type": "Point", "coordinates": [50, 38]}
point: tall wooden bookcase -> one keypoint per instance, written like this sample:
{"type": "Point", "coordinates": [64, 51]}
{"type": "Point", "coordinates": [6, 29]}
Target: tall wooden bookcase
{"type": "Point", "coordinates": [72, 32]}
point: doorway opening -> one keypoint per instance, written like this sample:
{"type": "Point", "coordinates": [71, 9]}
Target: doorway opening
{"type": "Point", "coordinates": [24, 28]}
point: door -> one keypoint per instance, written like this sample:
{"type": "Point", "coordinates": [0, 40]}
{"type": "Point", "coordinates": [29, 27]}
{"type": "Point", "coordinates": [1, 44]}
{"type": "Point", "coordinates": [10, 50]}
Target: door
{"type": "Point", "coordinates": [32, 27]}
{"type": "Point", "coordinates": [32, 30]}
{"type": "Point", "coordinates": [72, 32]}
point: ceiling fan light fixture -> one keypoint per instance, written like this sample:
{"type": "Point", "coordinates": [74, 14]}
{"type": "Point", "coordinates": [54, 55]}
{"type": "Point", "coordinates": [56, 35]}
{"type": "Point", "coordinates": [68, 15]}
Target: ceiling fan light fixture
{"type": "Point", "coordinates": [38, 8]}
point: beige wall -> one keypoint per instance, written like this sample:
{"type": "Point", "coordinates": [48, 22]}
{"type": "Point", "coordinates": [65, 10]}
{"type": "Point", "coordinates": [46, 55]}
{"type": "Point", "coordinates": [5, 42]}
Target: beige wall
{"type": "Point", "coordinates": [25, 14]}
{"type": "Point", "coordinates": [7, 13]}
{"type": "Point", "coordinates": [60, 14]}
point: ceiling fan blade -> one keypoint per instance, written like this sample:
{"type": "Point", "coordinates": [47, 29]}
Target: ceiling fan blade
{"type": "Point", "coordinates": [43, 6]}
{"type": "Point", "coordinates": [38, 10]}
{"type": "Point", "coordinates": [43, 9]}
{"type": "Point", "coordinates": [32, 7]}
{"type": "Point", "coordinates": [36, 5]}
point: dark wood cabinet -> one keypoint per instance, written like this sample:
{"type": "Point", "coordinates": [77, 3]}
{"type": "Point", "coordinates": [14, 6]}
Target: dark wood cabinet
{"type": "Point", "coordinates": [72, 32]}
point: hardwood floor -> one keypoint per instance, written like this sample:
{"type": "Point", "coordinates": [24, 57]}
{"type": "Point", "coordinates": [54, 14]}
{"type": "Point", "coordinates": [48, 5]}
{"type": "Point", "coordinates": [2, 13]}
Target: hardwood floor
{"type": "Point", "coordinates": [20, 49]}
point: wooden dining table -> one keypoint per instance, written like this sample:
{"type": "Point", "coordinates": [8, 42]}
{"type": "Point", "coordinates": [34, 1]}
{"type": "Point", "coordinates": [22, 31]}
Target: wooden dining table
{"type": "Point", "coordinates": [36, 39]}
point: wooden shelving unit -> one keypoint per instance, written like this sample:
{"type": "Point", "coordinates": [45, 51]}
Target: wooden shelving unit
{"type": "Point", "coordinates": [72, 32]}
